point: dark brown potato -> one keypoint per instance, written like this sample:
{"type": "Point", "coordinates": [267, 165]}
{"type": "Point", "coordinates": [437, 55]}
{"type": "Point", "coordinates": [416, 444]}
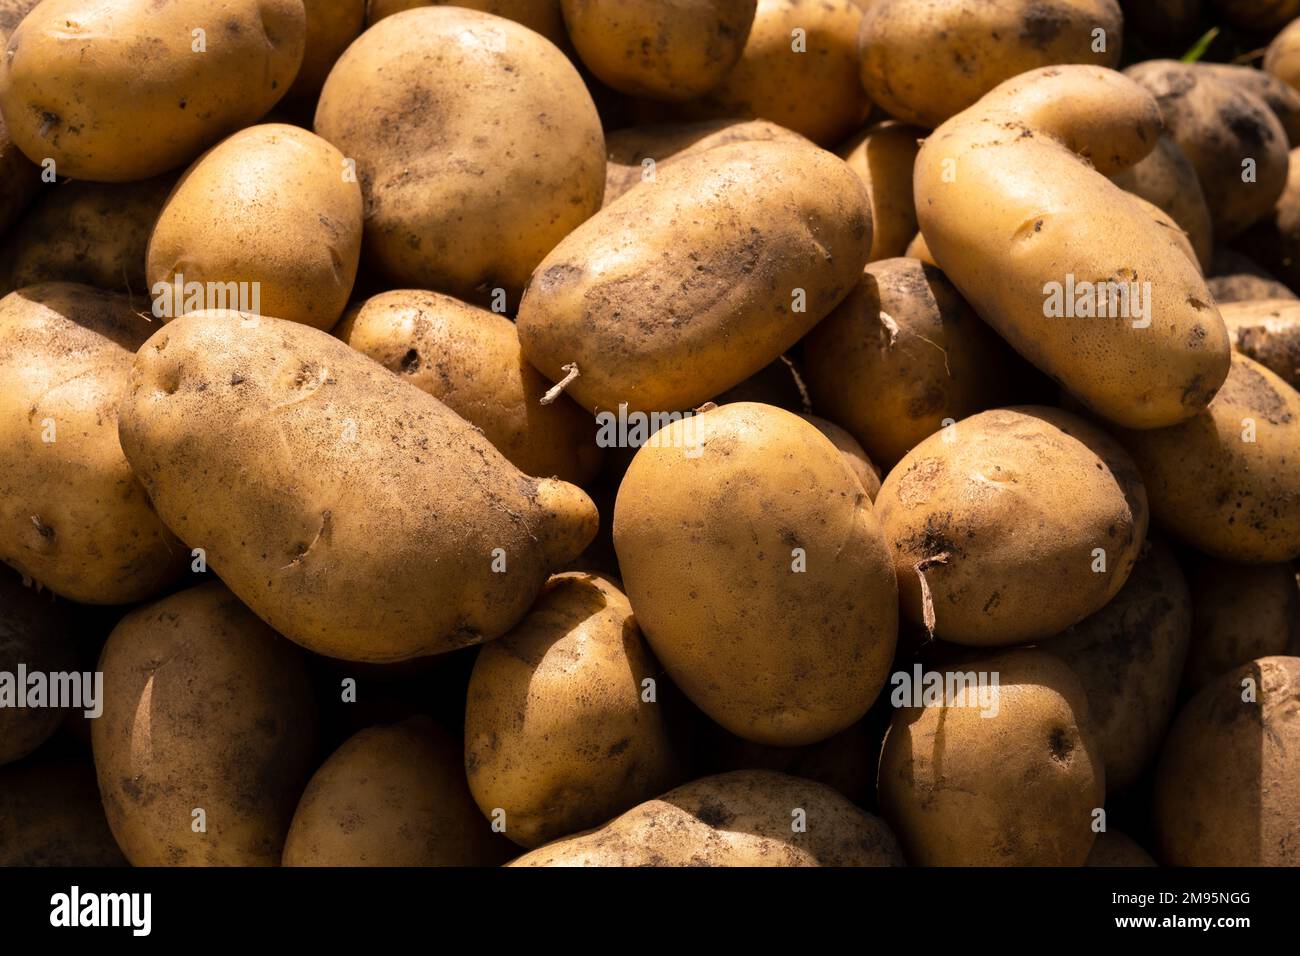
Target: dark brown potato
{"type": "Point", "coordinates": [34, 632]}
{"type": "Point", "coordinates": [1240, 612]}
{"type": "Point", "coordinates": [50, 815]}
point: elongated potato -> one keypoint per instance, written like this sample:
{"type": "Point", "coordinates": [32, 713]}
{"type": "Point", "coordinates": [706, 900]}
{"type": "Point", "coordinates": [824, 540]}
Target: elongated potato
{"type": "Point", "coordinates": [732, 819]}
{"type": "Point", "coordinates": [883, 157]}
{"type": "Point", "coordinates": [113, 91]}
{"type": "Point", "coordinates": [1267, 331]}
{"type": "Point", "coordinates": [558, 732]}
{"type": "Point", "coordinates": [207, 734]}
{"type": "Point", "coordinates": [733, 523]}
{"type": "Point", "coordinates": [989, 519]}
{"type": "Point", "coordinates": [51, 815]}
{"type": "Point", "coordinates": [1240, 612]}
{"type": "Point", "coordinates": [661, 309]}
{"type": "Point", "coordinates": [72, 515]}
{"type": "Point", "coordinates": [1159, 351]}
{"type": "Point", "coordinates": [1168, 180]}
{"type": "Point", "coordinates": [353, 512]}
{"type": "Point", "coordinates": [35, 633]}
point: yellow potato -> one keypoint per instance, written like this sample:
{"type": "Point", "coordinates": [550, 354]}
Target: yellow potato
{"type": "Point", "coordinates": [853, 454]}
{"type": "Point", "coordinates": [1240, 612]}
{"type": "Point", "coordinates": [1168, 180]}
{"type": "Point", "coordinates": [883, 157]}
{"type": "Point", "coordinates": [331, 26]}
{"type": "Point", "coordinates": [542, 16]}
{"type": "Point", "coordinates": [1267, 331]}
{"type": "Point", "coordinates": [1282, 58]}
{"type": "Point", "coordinates": [20, 181]}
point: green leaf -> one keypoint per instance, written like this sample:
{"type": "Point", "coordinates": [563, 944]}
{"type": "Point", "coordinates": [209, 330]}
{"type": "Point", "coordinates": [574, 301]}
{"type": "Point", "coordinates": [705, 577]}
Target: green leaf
{"type": "Point", "coordinates": [1200, 46]}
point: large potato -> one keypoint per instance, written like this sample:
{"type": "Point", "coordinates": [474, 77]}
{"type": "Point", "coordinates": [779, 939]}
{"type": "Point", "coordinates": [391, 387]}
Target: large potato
{"type": "Point", "coordinates": [691, 283]}
{"type": "Point", "coordinates": [500, 153]}
{"type": "Point", "coordinates": [559, 734]}
{"type": "Point", "coordinates": [925, 62]}
{"type": "Point", "coordinates": [854, 455]}
{"type": "Point", "coordinates": [1012, 525]}
{"type": "Point", "coordinates": [1012, 780]}
{"type": "Point", "coordinates": [112, 90]}
{"type": "Point", "coordinates": [1167, 179]}
{"type": "Point", "coordinates": [72, 515]}
{"type": "Point", "coordinates": [353, 512]}
{"type": "Point", "coordinates": [469, 359]}
{"type": "Point", "coordinates": [883, 156]}
{"type": "Point", "coordinates": [745, 818]}
{"type": "Point", "coordinates": [51, 815]}
{"type": "Point", "coordinates": [1240, 612]}
{"type": "Point", "coordinates": [1226, 481]}
{"type": "Point", "coordinates": [744, 524]}
{"type": "Point", "coordinates": [542, 16]}
{"type": "Point", "coordinates": [1225, 791]}
{"type": "Point", "coordinates": [331, 26]}
{"type": "Point", "coordinates": [1013, 216]}
{"type": "Point", "coordinates": [1267, 331]}
{"type": "Point", "coordinates": [35, 633]}
{"type": "Point", "coordinates": [206, 709]}
{"type": "Point", "coordinates": [392, 796]}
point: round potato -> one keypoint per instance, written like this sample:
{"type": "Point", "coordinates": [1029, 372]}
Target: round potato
{"type": "Point", "coordinates": [1283, 100]}
{"type": "Point", "coordinates": [35, 634]}
{"type": "Point", "coordinates": [541, 16]}
{"type": "Point", "coordinates": [1240, 612]}
{"type": "Point", "coordinates": [918, 248]}
{"type": "Point", "coordinates": [1282, 58]}
{"type": "Point", "coordinates": [448, 206]}
{"type": "Point", "coordinates": [1235, 277]}
{"type": "Point", "coordinates": [112, 91]}
{"type": "Point", "coordinates": [853, 454]}
{"type": "Point", "coordinates": [734, 523]}
{"type": "Point", "coordinates": [1012, 525]}
{"type": "Point", "coordinates": [331, 26]}
{"type": "Point", "coordinates": [207, 734]}
{"type": "Point", "coordinates": [1226, 785]}
{"type": "Point", "coordinates": [392, 796]}
{"type": "Point", "coordinates": [559, 735]}
{"type": "Point", "coordinates": [1167, 179]}
{"type": "Point", "coordinates": [1114, 849]}
{"type": "Point", "coordinates": [1009, 779]}
{"type": "Point", "coordinates": [883, 157]}
{"type": "Point", "coordinates": [50, 815]}
{"type": "Point", "coordinates": [732, 819]}
{"type": "Point", "coordinates": [1267, 331]}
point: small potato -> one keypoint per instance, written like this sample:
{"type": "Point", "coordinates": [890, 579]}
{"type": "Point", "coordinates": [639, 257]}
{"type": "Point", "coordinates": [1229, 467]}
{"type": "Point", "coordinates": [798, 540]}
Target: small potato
{"type": "Point", "coordinates": [733, 523]}
{"type": "Point", "coordinates": [113, 91]}
{"type": "Point", "coordinates": [1235, 277]}
{"type": "Point", "coordinates": [1129, 658]}
{"type": "Point", "coordinates": [853, 454]}
{"type": "Point", "coordinates": [883, 157]}
{"type": "Point", "coordinates": [331, 26]}
{"type": "Point", "coordinates": [1012, 525]}
{"type": "Point", "coordinates": [50, 815]}
{"type": "Point", "coordinates": [1240, 612]}
{"type": "Point", "coordinates": [732, 819]}
{"type": "Point", "coordinates": [902, 355]}
{"type": "Point", "coordinates": [1168, 180]}
{"type": "Point", "coordinates": [35, 633]}
{"type": "Point", "coordinates": [206, 709]}
{"type": "Point", "coordinates": [73, 517]}
{"type": "Point", "coordinates": [470, 360]}
{"type": "Point", "coordinates": [541, 16]}
{"type": "Point", "coordinates": [558, 733]}
{"type": "Point", "coordinates": [392, 796]}
{"type": "Point", "coordinates": [1225, 790]}
{"type": "Point", "coordinates": [1114, 849]}
{"type": "Point", "coordinates": [1267, 331]}
{"type": "Point", "coordinates": [1225, 481]}
{"type": "Point", "coordinates": [662, 50]}
{"type": "Point", "coordinates": [1011, 780]}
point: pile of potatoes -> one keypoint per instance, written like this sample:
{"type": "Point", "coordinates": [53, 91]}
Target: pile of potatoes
{"type": "Point", "coordinates": [567, 432]}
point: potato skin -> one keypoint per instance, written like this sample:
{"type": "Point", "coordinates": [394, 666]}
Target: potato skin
{"type": "Point", "coordinates": [37, 632]}
{"type": "Point", "coordinates": [541, 16]}
{"type": "Point", "coordinates": [1282, 58]}
{"type": "Point", "coordinates": [1232, 499]}
{"type": "Point", "coordinates": [709, 526]}
{"type": "Point", "coordinates": [1267, 331]}
{"type": "Point", "coordinates": [924, 62]}
{"type": "Point", "coordinates": [205, 707]}
{"type": "Point", "coordinates": [1168, 180]}
{"type": "Point", "coordinates": [73, 517]}
{"type": "Point", "coordinates": [663, 51]}
{"type": "Point", "coordinates": [1276, 94]}
{"type": "Point", "coordinates": [69, 62]}
{"type": "Point", "coordinates": [1114, 849]}
{"type": "Point", "coordinates": [469, 359]}
{"type": "Point", "coordinates": [20, 180]}
{"type": "Point", "coordinates": [268, 207]}
{"type": "Point", "coordinates": [446, 207]}
{"type": "Point", "coordinates": [1129, 657]}
{"type": "Point", "coordinates": [853, 454]}
{"type": "Point", "coordinates": [732, 819]}
{"type": "Point", "coordinates": [557, 733]}
{"type": "Point", "coordinates": [999, 511]}
{"type": "Point", "coordinates": [331, 26]}
{"type": "Point", "coordinates": [1015, 789]}
{"type": "Point", "coordinates": [686, 285]}
{"type": "Point", "coordinates": [1225, 788]}
{"type": "Point", "coordinates": [51, 815]}
{"type": "Point", "coordinates": [883, 156]}
{"type": "Point", "coordinates": [392, 795]}
{"type": "Point", "coordinates": [1240, 612]}
{"type": "Point", "coordinates": [353, 512]}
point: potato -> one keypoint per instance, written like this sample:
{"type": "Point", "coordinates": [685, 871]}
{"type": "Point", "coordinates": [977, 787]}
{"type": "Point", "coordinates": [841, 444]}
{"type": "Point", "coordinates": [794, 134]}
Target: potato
{"type": "Point", "coordinates": [35, 633]}
{"type": "Point", "coordinates": [558, 733]}
{"type": "Point", "coordinates": [392, 796]}
{"type": "Point", "coordinates": [732, 819]}
{"type": "Point", "coordinates": [918, 248]}
{"type": "Point", "coordinates": [902, 354]}
{"type": "Point", "coordinates": [1240, 613]}
{"type": "Point", "coordinates": [500, 155]}
{"type": "Point", "coordinates": [1158, 350]}
{"type": "Point", "coordinates": [740, 523]}
{"type": "Point", "coordinates": [629, 150]}
{"type": "Point", "coordinates": [1235, 277]}
{"type": "Point", "coordinates": [1225, 481]}
{"type": "Point", "coordinates": [1267, 331]}
{"type": "Point", "coordinates": [331, 26]}
{"type": "Point", "coordinates": [925, 63]}
{"type": "Point", "coordinates": [1012, 525]}
{"type": "Point", "coordinates": [1262, 15]}
{"type": "Point", "coordinates": [1274, 241]}
{"type": "Point", "coordinates": [1226, 785]}
{"type": "Point", "coordinates": [19, 180]}
{"type": "Point", "coordinates": [1114, 849]}
{"type": "Point", "coordinates": [470, 360]}
{"type": "Point", "coordinates": [1282, 58]}
{"type": "Point", "coordinates": [50, 815]}
{"type": "Point", "coordinates": [883, 157]}
{"type": "Point", "coordinates": [11, 14]}
{"type": "Point", "coordinates": [688, 285]}
{"type": "Point", "coordinates": [1176, 233]}
{"type": "Point", "coordinates": [206, 709]}
{"type": "Point", "coordinates": [667, 51]}
{"type": "Point", "coordinates": [113, 92]}
{"type": "Point", "coordinates": [1012, 780]}
{"type": "Point", "coordinates": [541, 16]}
{"type": "Point", "coordinates": [354, 513]}
{"type": "Point", "coordinates": [1129, 657]}
{"type": "Point", "coordinates": [1167, 179]}
{"type": "Point", "coordinates": [807, 82]}
{"type": "Point", "coordinates": [1220, 127]}
{"type": "Point", "coordinates": [853, 454]}
{"type": "Point", "coordinates": [73, 517]}
{"type": "Point", "coordinates": [1276, 94]}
